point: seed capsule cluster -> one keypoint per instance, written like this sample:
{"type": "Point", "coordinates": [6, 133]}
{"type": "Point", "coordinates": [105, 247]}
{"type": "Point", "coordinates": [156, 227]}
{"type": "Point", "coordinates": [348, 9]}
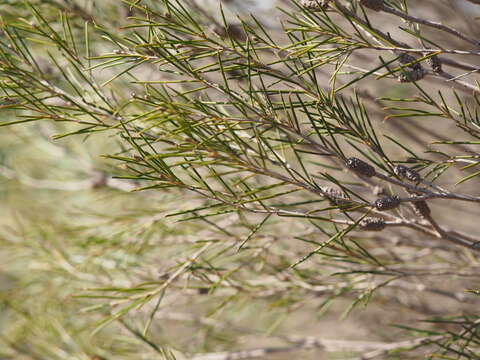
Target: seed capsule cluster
{"type": "Point", "coordinates": [372, 224]}
{"type": "Point", "coordinates": [387, 203]}
{"type": "Point", "coordinates": [406, 173]}
{"type": "Point", "coordinates": [375, 5]}
{"type": "Point", "coordinates": [360, 167]}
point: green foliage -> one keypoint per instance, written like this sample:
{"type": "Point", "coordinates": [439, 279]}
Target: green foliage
{"type": "Point", "coordinates": [243, 167]}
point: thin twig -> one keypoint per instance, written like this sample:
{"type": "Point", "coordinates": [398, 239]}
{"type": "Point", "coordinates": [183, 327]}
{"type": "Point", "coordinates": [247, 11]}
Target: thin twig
{"type": "Point", "coordinates": [429, 23]}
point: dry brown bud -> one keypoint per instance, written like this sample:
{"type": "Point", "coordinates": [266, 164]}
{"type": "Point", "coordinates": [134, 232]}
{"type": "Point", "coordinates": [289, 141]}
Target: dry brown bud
{"type": "Point", "coordinates": [372, 224]}
{"type": "Point", "coordinates": [387, 203]}
{"type": "Point", "coordinates": [360, 167]}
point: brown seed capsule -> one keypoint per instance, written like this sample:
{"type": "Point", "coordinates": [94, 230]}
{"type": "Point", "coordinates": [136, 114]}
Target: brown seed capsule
{"type": "Point", "coordinates": [406, 173]}
{"type": "Point", "coordinates": [405, 58]}
{"type": "Point", "coordinates": [421, 208]}
{"type": "Point", "coordinates": [336, 197]}
{"type": "Point", "coordinates": [411, 76]}
{"type": "Point", "coordinates": [360, 167]}
{"type": "Point", "coordinates": [372, 224]}
{"type": "Point", "coordinates": [375, 5]}
{"type": "Point", "coordinates": [387, 203]}
{"type": "Point", "coordinates": [408, 59]}
{"type": "Point", "coordinates": [412, 72]}
{"type": "Point", "coordinates": [413, 176]}
{"type": "Point", "coordinates": [400, 170]}
{"type": "Point", "coordinates": [435, 63]}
